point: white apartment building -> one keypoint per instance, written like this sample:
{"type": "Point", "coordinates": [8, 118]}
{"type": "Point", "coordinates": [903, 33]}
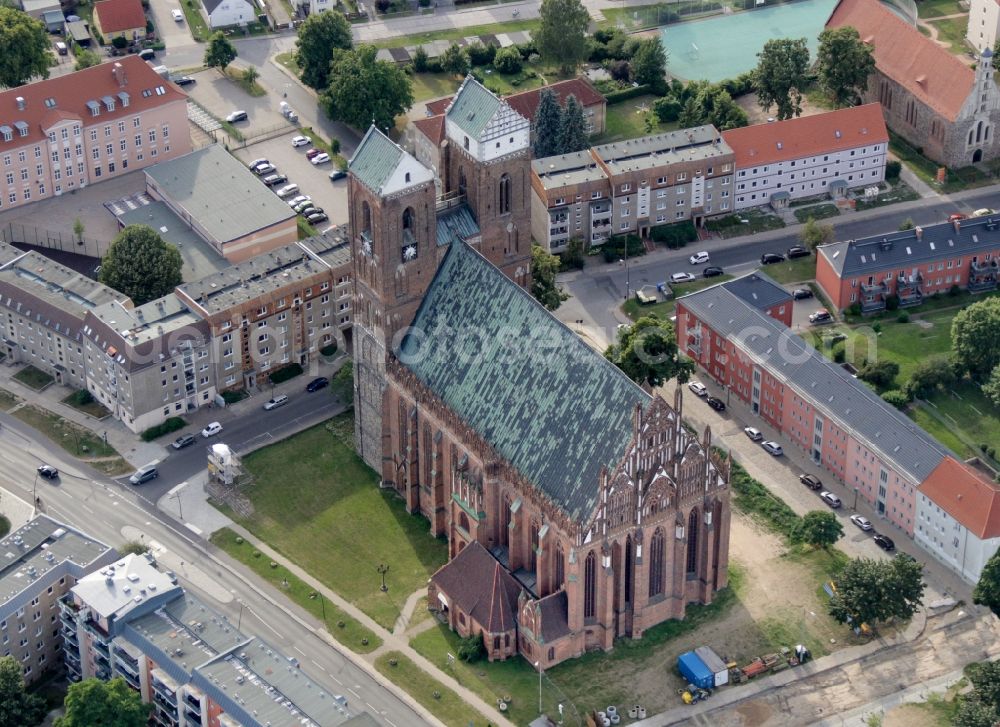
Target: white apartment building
{"type": "Point", "coordinates": [984, 24]}
{"type": "Point", "coordinates": [809, 156]}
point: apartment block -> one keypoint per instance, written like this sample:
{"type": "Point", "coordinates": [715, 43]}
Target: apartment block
{"type": "Point", "coordinates": [191, 663]}
{"type": "Point", "coordinates": [45, 558]}
{"type": "Point", "coordinates": [69, 131]}
{"type": "Point", "coordinates": [808, 156]}
{"type": "Point", "coordinates": [911, 264]}
{"type": "Point", "coordinates": [630, 186]}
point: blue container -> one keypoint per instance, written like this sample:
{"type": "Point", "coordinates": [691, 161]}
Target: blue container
{"type": "Point", "coordinates": [694, 670]}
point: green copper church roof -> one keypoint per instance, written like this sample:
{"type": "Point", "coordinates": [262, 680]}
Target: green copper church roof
{"type": "Point", "coordinates": [549, 404]}
{"type": "Point", "coordinates": [375, 159]}
{"type": "Point", "coordinates": [473, 107]}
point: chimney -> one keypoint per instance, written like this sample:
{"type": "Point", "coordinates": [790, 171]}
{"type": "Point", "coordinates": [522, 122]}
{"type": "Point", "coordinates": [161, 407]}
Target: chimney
{"type": "Point", "coordinates": [957, 224]}
{"type": "Point", "coordinates": [919, 232]}
{"type": "Point", "coordinates": [20, 103]}
{"type": "Point", "coordinates": [119, 73]}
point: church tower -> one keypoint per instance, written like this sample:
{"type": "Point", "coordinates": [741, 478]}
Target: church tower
{"type": "Point", "coordinates": [393, 249]}
{"type": "Point", "coordinates": [488, 161]}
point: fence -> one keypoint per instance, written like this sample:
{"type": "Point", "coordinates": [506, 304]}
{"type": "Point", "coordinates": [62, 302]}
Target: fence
{"type": "Point", "coordinates": [262, 135]}
{"type": "Point", "coordinates": [14, 232]}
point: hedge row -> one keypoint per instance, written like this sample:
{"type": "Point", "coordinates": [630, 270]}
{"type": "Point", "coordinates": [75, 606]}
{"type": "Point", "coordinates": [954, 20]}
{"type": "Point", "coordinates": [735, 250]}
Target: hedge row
{"type": "Point", "coordinates": [753, 498]}
{"type": "Point", "coordinates": [170, 425]}
{"type": "Point", "coordinates": [626, 93]}
{"type": "Point", "coordinates": [289, 372]}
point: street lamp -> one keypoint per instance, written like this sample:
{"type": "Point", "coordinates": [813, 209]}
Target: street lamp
{"type": "Point", "coordinates": [34, 485]}
{"type": "Point", "coordinates": [382, 570]}
{"type": "Point", "coordinates": [322, 602]}
{"type": "Point", "coordinates": [538, 665]}
{"type": "Point", "coordinates": [239, 619]}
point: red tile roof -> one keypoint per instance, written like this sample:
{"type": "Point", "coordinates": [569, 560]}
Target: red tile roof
{"type": "Point", "coordinates": [480, 586]}
{"type": "Point", "coordinates": [439, 106]}
{"type": "Point", "coordinates": [118, 15]}
{"type": "Point", "coordinates": [807, 135]}
{"type": "Point", "coordinates": [967, 495]}
{"type": "Point", "coordinates": [526, 102]}
{"type": "Point", "coordinates": [71, 93]}
{"type": "Point", "coordinates": [432, 128]}
{"type": "Point", "coordinates": [928, 71]}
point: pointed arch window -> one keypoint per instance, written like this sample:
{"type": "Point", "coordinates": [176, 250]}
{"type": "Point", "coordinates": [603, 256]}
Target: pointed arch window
{"type": "Point", "coordinates": [560, 568]}
{"type": "Point", "coordinates": [657, 547]}
{"type": "Point", "coordinates": [504, 206]}
{"type": "Point", "coordinates": [692, 543]}
{"type": "Point", "coordinates": [590, 586]}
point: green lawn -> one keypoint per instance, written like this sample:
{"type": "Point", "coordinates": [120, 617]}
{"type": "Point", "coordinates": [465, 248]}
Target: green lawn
{"type": "Point", "coordinates": [195, 22]}
{"type": "Point", "coordinates": [287, 59]}
{"type": "Point", "coordinates": [8, 400]}
{"type": "Point", "coordinates": [627, 120]}
{"type": "Point", "coordinates": [952, 31]}
{"type": "Point", "coordinates": [33, 378]}
{"type": "Point", "coordinates": [665, 308]}
{"type": "Point", "coordinates": [457, 33]}
{"type": "Point", "coordinates": [442, 702]}
{"type": "Point", "coordinates": [817, 212]}
{"type": "Point", "coordinates": [900, 192]}
{"type": "Point", "coordinates": [427, 86]}
{"type": "Point", "coordinates": [937, 8]}
{"type": "Point", "coordinates": [94, 408]}
{"type": "Point", "coordinates": [734, 225]}
{"type": "Point", "coordinates": [76, 440]}
{"type": "Point", "coordinates": [342, 627]}
{"type": "Point", "coordinates": [967, 416]}
{"type": "Point", "coordinates": [320, 505]}
{"type": "Point", "coordinates": [798, 270]}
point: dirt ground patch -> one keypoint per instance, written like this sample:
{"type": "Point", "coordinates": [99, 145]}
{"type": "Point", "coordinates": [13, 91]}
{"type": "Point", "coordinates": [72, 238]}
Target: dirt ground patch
{"type": "Point", "coordinates": [748, 102]}
{"type": "Point", "coordinates": [913, 715]}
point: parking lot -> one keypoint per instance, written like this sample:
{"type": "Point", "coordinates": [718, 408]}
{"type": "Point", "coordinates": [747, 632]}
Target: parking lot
{"type": "Point", "coordinates": [313, 180]}
{"type": "Point", "coordinates": [173, 33]}
{"type": "Point", "coordinates": [220, 97]}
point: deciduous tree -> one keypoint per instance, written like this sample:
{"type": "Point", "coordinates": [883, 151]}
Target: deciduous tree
{"type": "Point", "coordinates": [649, 64]}
{"type": "Point", "coordinates": [141, 265]}
{"type": "Point", "coordinates": [85, 59]}
{"type": "Point", "coordinates": [508, 60]}
{"type": "Point", "coordinates": [844, 64]}
{"type": "Point", "coordinates": [880, 374]}
{"type": "Point", "coordinates": [544, 267]}
{"type": "Point", "coordinates": [781, 74]}
{"type": "Point", "coordinates": [819, 528]}
{"type": "Point", "coordinates": [975, 338]}
{"type": "Point", "coordinates": [711, 104]}
{"type": "Point", "coordinates": [350, 98]}
{"type": "Point", "coordinates": [455, 60]}
{"type": "Point", "coordinates": [815, 233]}
{"type": "Point", "coordinates": [987, 590]}
{"type": "Point", "coordinates": [647, 352]}
{"type": "Point", "coordinates": [110, 704]}
{"type": "Point", "coordinates": [25, 48]}
{"type": "Point", "coordinates": [219, 52]}
{"type": "Point", "coordinates": [548, 119]}
{"type": "Point", "coordinates": [562, 35]}
{"type": "Point", "coordinates": [930, 374]}
{"type": "Point", "coordinates": [319, 34]}
{"type": "Point", "coordinates": [992, 387]}
{"type": "Point", "coordinates": [572, 128]}
{"type": "Point", "coordinates": [874, 591]}
{"type": "Point", "coordinates": [17, 707]}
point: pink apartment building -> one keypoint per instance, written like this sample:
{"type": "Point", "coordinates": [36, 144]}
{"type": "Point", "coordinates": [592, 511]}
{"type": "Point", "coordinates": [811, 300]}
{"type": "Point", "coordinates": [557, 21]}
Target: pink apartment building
{"type": "Point", "coordinates": [67, 132]}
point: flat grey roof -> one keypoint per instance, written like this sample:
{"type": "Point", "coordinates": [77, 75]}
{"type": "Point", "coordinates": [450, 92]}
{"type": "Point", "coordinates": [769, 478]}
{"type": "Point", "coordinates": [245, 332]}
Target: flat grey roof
{"type": "Point", "coordinates": [8, 253]}
{"type": "Point", "coordinates": [332, 246]}
{"type": "Point", "coordinates": [200, 258]}
{"type": "Point", "coordinates": [149, 321]}
{"type": "Point", "coordinates": [899, 250]}
{"type": "Point", "coordinates": [566, 169]}
{"type": "Point", "coordinates": [682, 145]}
{"type": "Point", "coordinates": [56, 284]}
{"type": "Point", "coordinates": [41, 545]}
{"type": "Point", "coordinates": [115, 590]}
{"type": "Point", "coordinates": [219, 193]}
{"type": "Point", "coordinates": [758, 290]}
{"type": "Point", "coordinates": [831, 389]}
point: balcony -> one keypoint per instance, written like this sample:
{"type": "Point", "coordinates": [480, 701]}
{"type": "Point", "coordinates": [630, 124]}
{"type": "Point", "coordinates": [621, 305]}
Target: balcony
{"type": "Point", "coordinates": [193, 701]}
{"type": "Point", "coordinates": [980, 283]}
{"type": "Point", "coordinates": [872, 305]}
{"type": "Point", "coordinates": [131, 679]}
{"type": "Point", "coordinates": [988, 266]}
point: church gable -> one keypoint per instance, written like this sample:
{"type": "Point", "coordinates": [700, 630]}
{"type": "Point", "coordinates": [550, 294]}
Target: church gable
{"type": "Point", "coordinates": [384, 167]}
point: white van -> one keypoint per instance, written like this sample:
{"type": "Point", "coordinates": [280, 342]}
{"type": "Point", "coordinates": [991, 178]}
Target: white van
{"type": "Point", "coordinates": [274, 403]}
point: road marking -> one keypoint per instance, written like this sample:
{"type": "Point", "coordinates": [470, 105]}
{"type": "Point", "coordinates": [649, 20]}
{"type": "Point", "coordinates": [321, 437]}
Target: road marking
{"type": "Point", "coordinates": [193, 528]}
{"type": "Point", "coordinates": [336, 680]}
{"type": "Point", "coordinates": [318, 664]}
{"type": "Point", "coordinates": [371, 706]}
{"type": "Point", "coordinates": [354, 693]}
{"type": "Point", "coordinates": [299, 650]}
{"type": "Point", "coordinates": [87, 509]}
{"type": "Point", "coordinates": [390, 723]}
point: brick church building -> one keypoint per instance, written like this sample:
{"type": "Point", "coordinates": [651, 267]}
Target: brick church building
{"type": "Point", "coordinates": [577, 507]}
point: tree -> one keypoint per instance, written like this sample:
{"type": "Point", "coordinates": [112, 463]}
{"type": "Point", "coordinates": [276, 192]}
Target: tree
{"type": "Point", "coordinates": [573, 255]}
{"type": "Point", "coordinates": [120, 42]}
{"type": "Point", "coordinates": [874, 591]}
{"type": "Point", "coordinates": [85, 59]}
{"type": "Point", "coordinates": [319, 34]}
{"type": "Point", "coordinates": [544, 267]}
{"type": "Point", "coordinates": [649, 64]}
{"type": "Point", "coordinates": [667, 109]}
{"type": "Point", "coordinates": [132, 547]}
{"type": "Point", "coordinates": [647, 352]}
{"type": "Point", "coordinates": [896, 397]}
{"type": "Point", "coordinates": [455, 60]}
{"type": "Point", "coordinates": [819, 528]}
{"type": "Point", "coordinates": [17, 707]}
{"type": "Point", "coordinates": [972, 712]}
{"type": "Point", "coordinates": [880, 374]}
{"type": "Point", "coordinates": [420, 59]}
{"type": "Point", "coordinates": [548, 120]}
{"type": "Point", "coordinates": [78, 228]}
{"type": "Point", "coordinates": [349, 98]}
{"type": "Point", "coordinates": [220, 52]}
{"type": "Point", "coordinates": [814, 234]}
{"type": "Point", "coordinates": [25, 48]}
{"type": "Point", "coordinates": [471, 648]}
{"type": "Point", "coordinates": [906, 224]}
{"type": "Point", "coordinates": [931, 373]}
{"type": "Point", "coordinates": [250, 76]}
{"type": "Point", "coordinates": [109, 704]}
{"type": "Point", "coordinates": [562, 36]}
{"type": "Point", "coordinates": [844, 64]}
{"type": "Point", "coordinates": [572, 128]}
{"type": "Point", "coordinates": [781, 75]}
{"type": "Point", "coordinates": [975, 338]}
{"type": "Point", "coordinates": [985, 678]}
{"type": "Point", "coordinates": [711, 104]}
{"type": "Point", "coordinates": [141, 265]}
{"type": "Point", "coordinates": [992, 386]}
{"type": "Point", "coordinates": [508, 60]}
{"type": "Point", "coordinates": [987, 590]}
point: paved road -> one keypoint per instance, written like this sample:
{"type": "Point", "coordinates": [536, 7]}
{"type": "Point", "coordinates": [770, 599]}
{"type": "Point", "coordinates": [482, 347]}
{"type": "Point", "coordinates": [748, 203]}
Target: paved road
{"type": "Point", "coordinates": [113, 514]}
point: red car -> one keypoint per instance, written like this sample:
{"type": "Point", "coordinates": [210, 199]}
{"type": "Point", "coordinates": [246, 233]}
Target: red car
{"type": "Point", "coordinates": [955, 216]}
{"type": "Point", "coordinates": [313, 152]}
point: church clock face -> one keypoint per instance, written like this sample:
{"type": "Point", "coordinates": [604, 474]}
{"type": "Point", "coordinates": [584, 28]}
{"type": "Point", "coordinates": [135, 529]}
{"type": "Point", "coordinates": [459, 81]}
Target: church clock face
{"type": "Point", "coordinates": [409, 253]}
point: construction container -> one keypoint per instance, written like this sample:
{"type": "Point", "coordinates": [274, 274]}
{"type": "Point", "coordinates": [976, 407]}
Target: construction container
{"type": "Point", "coordinates": [694, 670]}
{"type": "Point", "coordinates": [717, 666]}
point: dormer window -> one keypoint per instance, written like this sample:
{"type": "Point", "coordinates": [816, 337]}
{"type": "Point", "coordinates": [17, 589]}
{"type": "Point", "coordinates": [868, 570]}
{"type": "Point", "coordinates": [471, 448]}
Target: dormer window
{"type": "Point", "coordinates": [109, 103]}
{"type": "Point", "coordinates": [8, 133]}
{"type": "Point", "coordinates": [407, 178]}
{"type": "Point", "coordinates": [466, 143]}
{"type": "Point", "coordinates": [22, 128]}
{"type": "Point", "coordinates": [95, 108]}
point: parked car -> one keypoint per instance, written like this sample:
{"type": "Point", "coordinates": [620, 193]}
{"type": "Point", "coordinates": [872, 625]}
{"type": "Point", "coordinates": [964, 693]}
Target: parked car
{"type": "Point", "coordinates": [298, 199]}
{"type": "Point", "coordinates": [798, 251]}
{"type": "Point", "coordinates": [272, 180]}
{"type": "Point", "coordinates": [275, 402]}
{"type": "Point", "coordinates": [182, 80]}
{"type": "Point", "coordinates": [830, 499]}
{"type": "Point", "coordinates": [884, 542]}
{"type": "Point", "coordinates": [302, 205]}
{"type": "Point", "coordinates": [288, 190]}
{"type": "Point", "coordinates": [820, 316]}
{"type": "Point", "coordinates": [48, 471]}
{"type": "Point", "coordinates": [802, 293]}
{"type": "Point", "coordinates": [772, 448]}
{"type": "Point", "coordinates": [337, 174]}
{"type": "Point", "coordinates": [698, 388]}
{"type": "Point", "coordinates": [810, 481]}
{"type": "Point", "coordinates": [316, 217]}
{"type": "Point", "coordinates": [211, 430]}
{"type": "Point", "coordinates": [258, 162]}
{"type": "Point", "coordinates": [144, 475]}
{"type": "Point", "coordinates": [185, 440]}
{"type": "Point", "coordinates": [754, 433]}
{"type": "Point", "coordinates": [61, 48]}
{"type": "Point", "coordinates": [699, 258]}
{"type": "Point", "coordinates": [313, 152]}
{"type": "Point", "coordinates": [322, 158]}
{"type": "Point", "coordinates": [298, 141]}
{"type": "Point", "coordinates": [264, 169]}
{"type": "Point", "coordinates": [711, 271]}
{"type": "Point", "coordinates": [147, 54]}
{"type": "Point", "coordinates": [769, 258]}
{"type": "Point", "coordinates": [861, 521]}
{"type": "Point", "coordinates": [317, 384]}
{"type": "Point", "coordinates": [235, 116]}
{"type": "Point", "coordinates": [982, 212]}
{"type": "Point", "coordinates": [681, 278]}
{"type": "Point", "coordinates": [177, 15]}
{"type": "Point", "coordinates": [716, 403]}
